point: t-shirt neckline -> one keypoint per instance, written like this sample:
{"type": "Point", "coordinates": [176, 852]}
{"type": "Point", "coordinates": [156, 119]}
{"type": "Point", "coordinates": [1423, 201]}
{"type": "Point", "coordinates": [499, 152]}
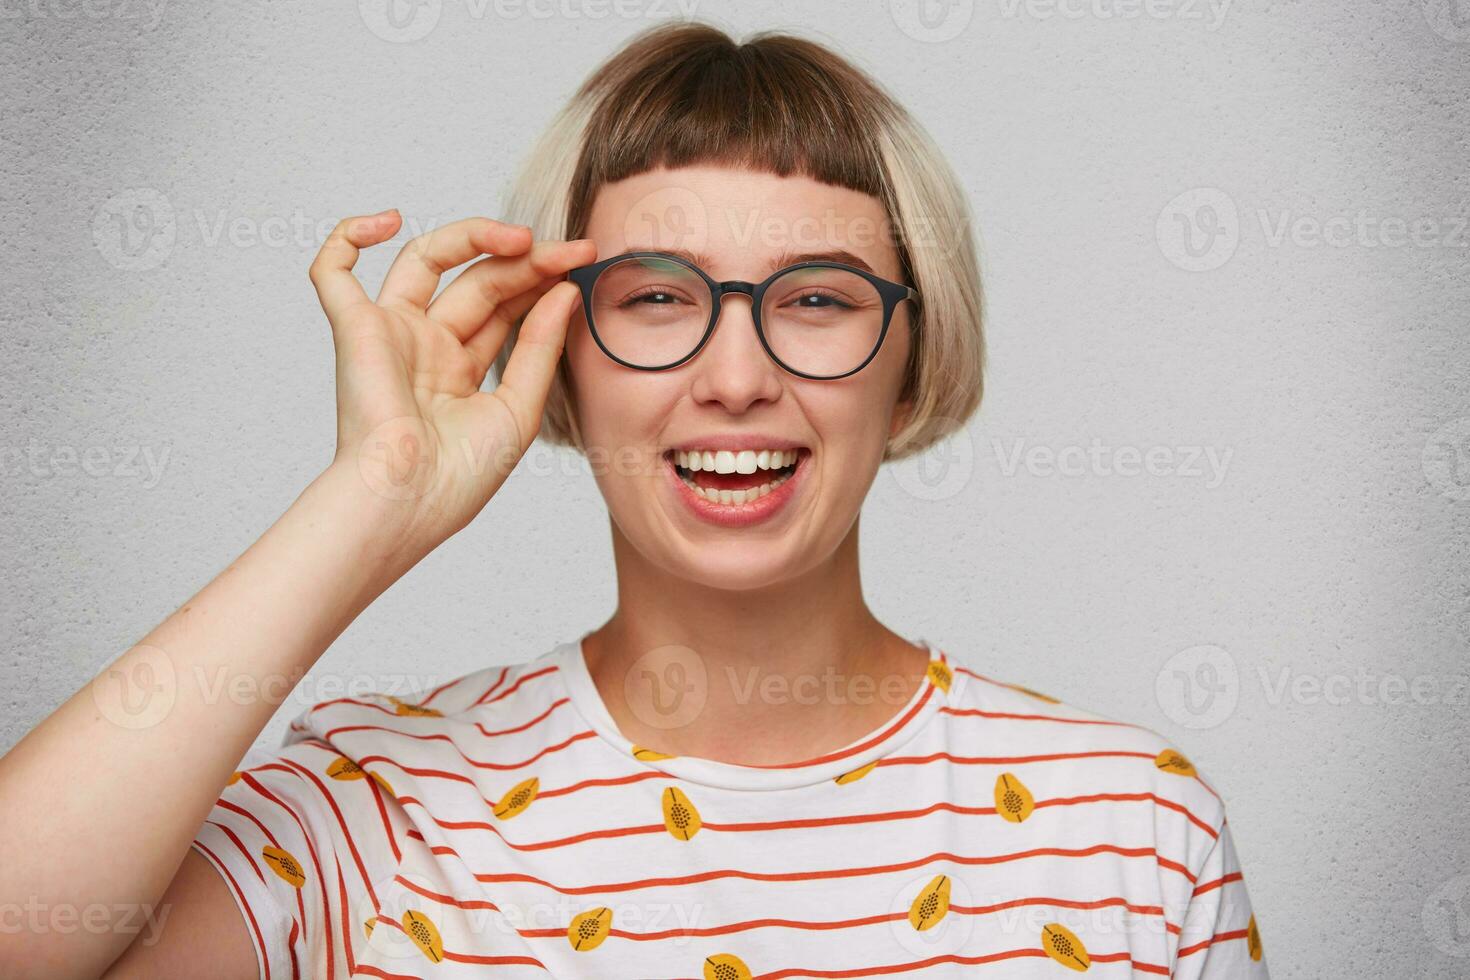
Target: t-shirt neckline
{"type": "Point", "coordinates": [938, 688]}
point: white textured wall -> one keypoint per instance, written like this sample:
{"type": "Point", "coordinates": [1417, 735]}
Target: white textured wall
{"type": "Point", "coordinates": [1295, 613]}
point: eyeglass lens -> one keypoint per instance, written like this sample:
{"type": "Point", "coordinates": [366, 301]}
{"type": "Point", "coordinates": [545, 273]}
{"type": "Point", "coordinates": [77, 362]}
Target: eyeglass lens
{"type": "Point", "coordinates": [818, 320]}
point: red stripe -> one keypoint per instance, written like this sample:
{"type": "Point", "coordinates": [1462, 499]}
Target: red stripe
{"type": "Point", "coordinates": [336, 810]}
{"type": "Point", "coordinates": [1210, 886]}
{"type": "Point", "coordinates": [830, 874]}
{"type": "Point", "coordinates": [1014, 716]}
{"type": "Point", "coordinates": [440, 690]}
{"type": "Point", "coordinates": [256, 785]}
{"type": "Point", "coordinates": [240, 893]}
{"type": "Point", "coordinates": [1011, 760]}
{"type": "Point", "coordinates": [472, 958]}
{"type": "Point", "coordinates": [493, 687]}
{"type": "Point", "coordinates": [296, 924]}
{"type": "Point", "coordinates": [520, 728]}
{"type": "Point", "coordinates": [487, 699]}
{"type": "Point", "coordinates": [477, 763]}
{"type": "Point", "coordinates": [1206, 943]}
{"type": "Point", "coordinates": [239, 846]}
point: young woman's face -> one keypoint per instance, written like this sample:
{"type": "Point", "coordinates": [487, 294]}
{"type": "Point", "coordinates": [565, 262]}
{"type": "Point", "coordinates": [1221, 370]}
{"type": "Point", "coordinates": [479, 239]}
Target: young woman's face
{"type": "Point", "coordinates": [744, 225]}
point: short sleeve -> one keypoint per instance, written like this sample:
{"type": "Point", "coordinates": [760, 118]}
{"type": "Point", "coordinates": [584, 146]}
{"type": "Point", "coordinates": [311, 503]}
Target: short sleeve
{"type": "Point", "coordinates": [302, 837]}
{"type": "Point", "coordinates": [1219, 939]}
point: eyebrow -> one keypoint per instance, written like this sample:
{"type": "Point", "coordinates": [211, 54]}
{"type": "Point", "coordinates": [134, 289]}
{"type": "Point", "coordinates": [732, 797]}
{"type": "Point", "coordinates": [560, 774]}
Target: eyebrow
{"type": "Point", "coordinates": [780, 261]}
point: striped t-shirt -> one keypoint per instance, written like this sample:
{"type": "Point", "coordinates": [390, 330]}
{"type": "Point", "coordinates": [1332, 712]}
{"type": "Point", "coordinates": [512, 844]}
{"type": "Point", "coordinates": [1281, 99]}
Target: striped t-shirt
{"type": "Point", "coordinates": [501, 824]}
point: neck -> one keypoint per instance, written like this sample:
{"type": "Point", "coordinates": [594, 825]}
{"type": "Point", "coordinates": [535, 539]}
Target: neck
{"type": "Point", "coordinates": [764, 676]}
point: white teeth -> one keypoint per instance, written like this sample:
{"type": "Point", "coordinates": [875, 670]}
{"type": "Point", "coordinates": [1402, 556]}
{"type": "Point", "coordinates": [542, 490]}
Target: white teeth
{"type": "Point", "coordinates": [727, 461]}
{"type": "Point", "coordinates": [735, 497]}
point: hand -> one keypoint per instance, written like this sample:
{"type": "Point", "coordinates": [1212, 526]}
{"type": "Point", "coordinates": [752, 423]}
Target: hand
{"type": "Point", "coordinates": [412, 423]}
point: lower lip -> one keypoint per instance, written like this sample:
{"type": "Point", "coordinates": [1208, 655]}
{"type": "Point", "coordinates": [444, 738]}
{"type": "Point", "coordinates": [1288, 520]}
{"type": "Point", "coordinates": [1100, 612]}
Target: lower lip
{"type": "Point", "coordinates": [738, 515]}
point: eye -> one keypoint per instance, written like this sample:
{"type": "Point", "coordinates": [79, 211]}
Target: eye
{"type": "Point", "coordinates": [818, 299]}
{"type": "Point", "coordinates": [651, 296]}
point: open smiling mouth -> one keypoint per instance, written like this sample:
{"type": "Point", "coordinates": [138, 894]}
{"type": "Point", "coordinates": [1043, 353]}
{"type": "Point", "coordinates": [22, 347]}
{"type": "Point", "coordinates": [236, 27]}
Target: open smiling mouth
{"type": "Point", "coordinates": [735, 479]}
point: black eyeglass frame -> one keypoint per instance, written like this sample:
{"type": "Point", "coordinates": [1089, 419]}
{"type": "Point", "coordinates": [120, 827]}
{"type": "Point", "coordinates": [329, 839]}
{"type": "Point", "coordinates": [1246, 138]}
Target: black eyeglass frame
{"type": "Point", "coordinates": [892, 293]}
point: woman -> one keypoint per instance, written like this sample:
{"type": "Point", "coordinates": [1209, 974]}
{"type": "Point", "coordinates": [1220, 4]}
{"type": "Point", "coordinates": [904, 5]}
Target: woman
{"type": "Point", "coordinates": [766, 289]}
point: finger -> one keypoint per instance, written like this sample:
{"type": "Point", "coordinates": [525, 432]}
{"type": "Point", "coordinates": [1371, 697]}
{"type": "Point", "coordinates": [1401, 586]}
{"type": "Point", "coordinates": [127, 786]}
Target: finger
{"type": "Point", "coordinates": [484, 344]}
{"type": "Point", "coordinates": [415, 273]}
{"type": "Point", "coordinates": [467, 302]}
{"type": "Point", "coordinates": [533, 361]}
{"type": "Point", "coordinates": [331, 270]}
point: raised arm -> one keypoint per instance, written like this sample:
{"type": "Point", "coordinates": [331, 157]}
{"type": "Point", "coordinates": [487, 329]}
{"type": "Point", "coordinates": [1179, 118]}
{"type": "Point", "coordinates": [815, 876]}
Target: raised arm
{"type": "Point", "coordinates": [102, 799]}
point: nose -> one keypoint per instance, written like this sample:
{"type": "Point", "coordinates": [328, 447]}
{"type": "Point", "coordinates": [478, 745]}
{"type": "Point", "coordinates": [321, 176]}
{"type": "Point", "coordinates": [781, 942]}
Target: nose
{"type": "Point", "coordinates": [733, 369]}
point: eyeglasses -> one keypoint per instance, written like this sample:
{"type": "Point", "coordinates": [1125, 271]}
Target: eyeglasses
{"type": "Point", "coordinates": [653, 311]}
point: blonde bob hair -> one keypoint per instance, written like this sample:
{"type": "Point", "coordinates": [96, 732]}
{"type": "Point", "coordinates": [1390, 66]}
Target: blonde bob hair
{"type": "Point", "coordinates": [686, 93]}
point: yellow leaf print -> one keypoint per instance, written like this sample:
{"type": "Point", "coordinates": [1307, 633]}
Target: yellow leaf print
{"type": "Point", "coordinates": [1253, 940]}
{"type": "Point", "coordinates": [726, 966]}
{"type": "Point", "coordinates": [424, 934]}
{"type": "Point", "coordinates": [856, 774]}
{"type": "Point", "coordinates": [648, 755]}
{"type": "Point", "coordinates": [1172, 760]}
{"type": "Point", "coordinates": [940, 675]}
{"type": "Point", "coordinates": [931, 905]}
{"type": "Point", "coordinates": [1062, 945]}
{"type": "Point", "coordinates": [344, 768]}
{"type": "Point", "coordinates": [1012, 799]}
{"type": "Point", "coordinates": [284, 863]}
{"type": "Point", "coordinates": [589, 929]}
{"type": "Point", "coordinates": [680, 816]}
{"type": "Point", "coordinates": [517, 798]}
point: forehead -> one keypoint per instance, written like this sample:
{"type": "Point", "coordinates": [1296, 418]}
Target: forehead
{"type": "Point", "coordinates": [740, 219]}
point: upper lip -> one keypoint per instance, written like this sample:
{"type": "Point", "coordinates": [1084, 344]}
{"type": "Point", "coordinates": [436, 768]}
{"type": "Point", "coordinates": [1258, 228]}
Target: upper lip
{"type": "Point", "coordinates": [734, 442]}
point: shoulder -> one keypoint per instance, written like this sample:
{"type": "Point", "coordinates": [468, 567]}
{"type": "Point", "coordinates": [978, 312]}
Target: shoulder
{"type": "Point", "coordinates": [509, 690]}
{"type": "Point", "coordinates": [1087, 762]}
